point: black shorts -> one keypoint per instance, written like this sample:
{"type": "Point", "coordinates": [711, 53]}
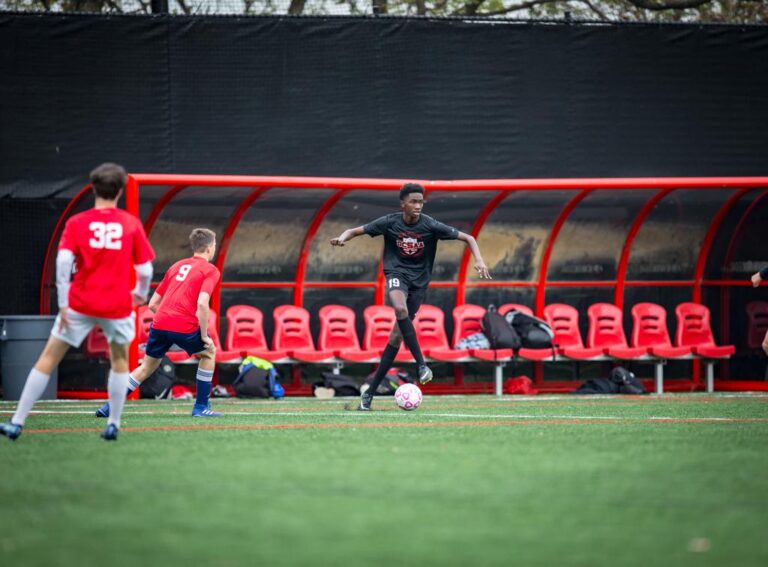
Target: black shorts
{"type": "Point", "coordinates": [160, 342]}
{"type": "Point", "coordinates": [415, 296]}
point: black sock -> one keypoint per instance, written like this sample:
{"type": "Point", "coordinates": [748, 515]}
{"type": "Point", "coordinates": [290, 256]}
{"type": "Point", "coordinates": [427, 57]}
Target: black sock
{"type": "Point", "coordinates": [387, 358]}
{"type": "Point", "coordinates": [409, 337]}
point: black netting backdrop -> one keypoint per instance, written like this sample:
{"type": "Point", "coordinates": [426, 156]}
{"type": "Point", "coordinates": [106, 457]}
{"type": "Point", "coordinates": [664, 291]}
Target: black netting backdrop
{"type": "Point", "coordinates": [371, 97]}
{"type": "Point", "coordinates": [376, 97]}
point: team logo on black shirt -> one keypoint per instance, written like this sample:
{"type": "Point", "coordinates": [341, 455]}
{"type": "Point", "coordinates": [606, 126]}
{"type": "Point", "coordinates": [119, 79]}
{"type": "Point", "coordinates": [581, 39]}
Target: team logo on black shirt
{"type": "Point", "coordinates": [410, 244]}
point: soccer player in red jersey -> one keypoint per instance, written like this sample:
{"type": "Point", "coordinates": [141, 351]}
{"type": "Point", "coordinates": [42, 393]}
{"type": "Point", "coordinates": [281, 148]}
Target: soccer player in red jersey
{"type": "Point", "coordinates": [107, 245]}
{"type": "Point", "coordinates": [181, 307]}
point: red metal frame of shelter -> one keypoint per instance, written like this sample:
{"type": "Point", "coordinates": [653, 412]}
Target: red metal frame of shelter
{"type": "Point", "coordinates": [343, 186]}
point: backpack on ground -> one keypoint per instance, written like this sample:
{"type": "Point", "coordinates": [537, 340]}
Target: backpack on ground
{"type": "Point", "coordinates": [341, 384]}
{"type": "Point", "coordinates": [257, 379]}
{"type": "Point", "coordinates": [533, 332]}
{"type": "Point", "coordinates": [598, 386]}
{"type": "Point", "coordinates": [619, 381]}
{"type": "Point", "coordinates": [393, 379]}
{"type": "Point", "coordinates": [499, 333]}
{"type": "Point", "coordinates": [626, 381]}
{"type": "Point", "coordinates": [158, 385]}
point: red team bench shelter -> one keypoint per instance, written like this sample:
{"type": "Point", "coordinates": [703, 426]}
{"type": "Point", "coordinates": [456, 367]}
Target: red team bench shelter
{"type": "Point", "coordinates": [641, 270]}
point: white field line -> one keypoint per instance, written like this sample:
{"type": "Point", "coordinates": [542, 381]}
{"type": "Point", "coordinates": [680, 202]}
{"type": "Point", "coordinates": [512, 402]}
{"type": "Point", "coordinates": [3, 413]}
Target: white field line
{"type": "Point", "coordinates": [480, 399]}
{"type": "Point", "coordinates": [390, 414]}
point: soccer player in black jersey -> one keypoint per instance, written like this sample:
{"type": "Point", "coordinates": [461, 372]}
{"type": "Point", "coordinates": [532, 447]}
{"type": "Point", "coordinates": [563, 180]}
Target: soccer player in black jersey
{"type": "Point", "coordinates": [757, 279]}
{"type": "Point", "coordinates": [410, 243]}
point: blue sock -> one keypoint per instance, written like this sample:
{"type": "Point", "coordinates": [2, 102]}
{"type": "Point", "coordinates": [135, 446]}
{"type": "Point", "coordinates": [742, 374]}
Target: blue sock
{"type": "Point", "coordinates": [204, 387]}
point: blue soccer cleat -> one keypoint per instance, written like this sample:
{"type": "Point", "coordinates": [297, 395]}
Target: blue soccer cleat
{"type": "Point", "coordinates": [10, 430]}
{"type": "Point", "coordinates": [103, 411]}
{"type": "Point", "coordinates": [110, 433]}
{"type": "Point", "coordinates": [205, 411]}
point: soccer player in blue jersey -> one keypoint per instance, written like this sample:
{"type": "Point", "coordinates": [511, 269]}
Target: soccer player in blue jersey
{"type": "Point", "coordinates": [410, 244]}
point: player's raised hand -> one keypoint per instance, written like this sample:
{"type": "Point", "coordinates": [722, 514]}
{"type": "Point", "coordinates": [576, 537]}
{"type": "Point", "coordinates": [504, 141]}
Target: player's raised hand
{"type": "Point", "coordinates": [482, 269]}
{"type": "Point", "coordinates": [756, 280]}
{"type": "Point", "coordinates": [337, 241]}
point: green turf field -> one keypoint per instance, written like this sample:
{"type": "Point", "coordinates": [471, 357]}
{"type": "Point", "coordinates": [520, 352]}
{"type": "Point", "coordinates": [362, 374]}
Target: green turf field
{"type": "Point", "coordinates": [677, 480]}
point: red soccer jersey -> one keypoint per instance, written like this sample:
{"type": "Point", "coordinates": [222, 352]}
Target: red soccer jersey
{"type": "Point", "coordinates": [180, 289]}
{"type": "Point", "coordinates": [107, 243]}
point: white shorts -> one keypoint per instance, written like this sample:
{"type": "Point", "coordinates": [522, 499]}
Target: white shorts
{"type": "Point", "coordinates": [119, 331]}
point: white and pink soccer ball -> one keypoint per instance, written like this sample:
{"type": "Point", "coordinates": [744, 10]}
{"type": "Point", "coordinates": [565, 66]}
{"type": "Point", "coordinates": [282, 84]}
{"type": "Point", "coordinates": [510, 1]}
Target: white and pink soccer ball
{"type": "Point", "coordinates": [408, 397]}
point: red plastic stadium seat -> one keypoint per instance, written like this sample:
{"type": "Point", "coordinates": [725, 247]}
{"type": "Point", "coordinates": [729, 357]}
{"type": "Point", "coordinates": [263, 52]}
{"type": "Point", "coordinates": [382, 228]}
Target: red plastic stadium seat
{"type": "Point", "coordinates": [145, 323]}
{"type": "Point", "coordinates": [225, 356]}
{"type": "Point", "coordinates": [430, 330]}
{"type": "Point", "coordinates": [145, 319]}
{"type": "Point", "coordinates": [536, 354]}
{"type": "Point", "coordinates": [606, 331]}
{"type": "Point", "coordinates": [504, 309]}
{"type": "Point", "coordinates": [338, 334]}
{"type": "Point", "coordinates": [757, 317]}
{"type": "Point", "coordinates": [96, 344]}
{"type": "Point", "coordinates": [649, 329]}
{"type": "Point", "coordinates": [245, 333]}
{"type": "Point", "coordinates": [379, 320]}
{"type": "Point", "coordinates": [694, 330]}
{"type": "Point", "coordinates": [468, 320]}
{"type": "Point", "coordinates": [292, 334]}
{"type": "Point", "coordinates": [564, 321]}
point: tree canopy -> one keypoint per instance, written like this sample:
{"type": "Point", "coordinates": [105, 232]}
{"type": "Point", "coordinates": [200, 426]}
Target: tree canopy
{"type": "Point", "coordinates": [691, 11]}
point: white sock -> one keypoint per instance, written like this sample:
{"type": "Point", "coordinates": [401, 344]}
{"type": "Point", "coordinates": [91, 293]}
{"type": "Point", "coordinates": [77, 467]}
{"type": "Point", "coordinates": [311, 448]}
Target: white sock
{"type": "Point", "coordinates": [33, 389]}
{"type": "Point", "coordinates": [116, 388]}
{"type": "Point", "coordinates": [132, 383]}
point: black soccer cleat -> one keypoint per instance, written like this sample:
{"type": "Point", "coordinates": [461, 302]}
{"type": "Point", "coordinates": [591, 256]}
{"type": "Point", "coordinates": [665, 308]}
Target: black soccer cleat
{"type": "Point", "coordinates": [425, 374]}
{"type": "Point", "coordinates": [10, 430]}
{"type": "Point", "coordinates": [366, 400]}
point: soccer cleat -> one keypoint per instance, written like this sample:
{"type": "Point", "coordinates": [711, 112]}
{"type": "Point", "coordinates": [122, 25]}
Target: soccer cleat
{"type": "Point", "coordinates": [110, 433]}
{"type": "Point", "coordinates": [365, 402]}
{"type": "Point", "coordinates": [425, 374]}
{"type": "Point", "coordinates": [10, 430]}
{"type": "Point", "coordinates": [205, 411]}
{"type": "Point", "coordinates": [103, 411]}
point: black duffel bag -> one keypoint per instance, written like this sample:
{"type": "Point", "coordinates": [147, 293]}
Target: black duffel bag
{"type": "Point", "coordinates": [158, 385]}
{"type": "Point", "coordinates": [499, 333]}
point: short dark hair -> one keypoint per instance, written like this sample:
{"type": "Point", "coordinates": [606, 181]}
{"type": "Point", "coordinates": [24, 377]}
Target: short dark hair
{"type": "Point", "coordinates": [201, 238]}
{"type": "Point", "coordinates": [108, 180]}
{"type": "Point", "coordinates": [409, 188]}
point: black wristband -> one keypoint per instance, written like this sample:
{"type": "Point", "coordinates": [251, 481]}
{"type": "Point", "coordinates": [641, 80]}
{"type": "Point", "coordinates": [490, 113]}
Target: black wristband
{"type": "Point", "coordinates": [764, 273]}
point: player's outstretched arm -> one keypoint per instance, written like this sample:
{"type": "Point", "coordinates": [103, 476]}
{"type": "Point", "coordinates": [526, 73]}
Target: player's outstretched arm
{"type": "Point", "coordinates": [758, 278]}
{"type": "Point", "coordinates": [347, 235]}
{"type": "Point", "coordinates": [480, 266]}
